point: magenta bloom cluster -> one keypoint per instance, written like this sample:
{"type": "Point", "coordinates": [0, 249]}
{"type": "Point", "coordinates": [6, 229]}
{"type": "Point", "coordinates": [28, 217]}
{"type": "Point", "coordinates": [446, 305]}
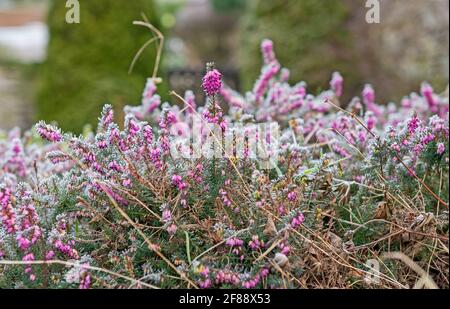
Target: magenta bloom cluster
{"type": "Point", "coordinates": [212, 82]}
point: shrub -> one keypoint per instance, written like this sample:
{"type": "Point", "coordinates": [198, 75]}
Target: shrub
{"type": "Point", "coordinates": [88, 63]}
{"type": "Point", "coordinates": [242, 207]}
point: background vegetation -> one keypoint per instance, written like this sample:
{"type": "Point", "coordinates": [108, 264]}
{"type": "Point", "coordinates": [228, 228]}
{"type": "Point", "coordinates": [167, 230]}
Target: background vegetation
{"type": "Point", "coordinates": [88, 63]}
{"type": "Point", "coordinates": [310, 35]}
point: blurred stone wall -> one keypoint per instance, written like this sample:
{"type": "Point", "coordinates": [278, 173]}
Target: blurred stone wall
{"type": "Point", "coordinates": [16, 108]}
{"type": "Point", "coordinates": [23, 37]}
{"type": "Point", "coordinates": [410, 45]}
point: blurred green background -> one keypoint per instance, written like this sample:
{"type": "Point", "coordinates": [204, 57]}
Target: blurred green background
{"type": "Point", "coordinates": [88, 63]}
{"type": "Point", "coordinates": [62, 72]}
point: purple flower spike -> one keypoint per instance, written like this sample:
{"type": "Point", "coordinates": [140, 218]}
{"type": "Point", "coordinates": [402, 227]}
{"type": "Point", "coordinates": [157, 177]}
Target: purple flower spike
{"type": "Point", "coordinates": [337, 82]}
{"type": "Point", "coordinates": [48, 132]}
{"type": "Point", "coordinates": [267, 51]}
{"type": "Point", "coordinates": [440, 148]}
{"type": "Point", "coordinates": [212, 82]}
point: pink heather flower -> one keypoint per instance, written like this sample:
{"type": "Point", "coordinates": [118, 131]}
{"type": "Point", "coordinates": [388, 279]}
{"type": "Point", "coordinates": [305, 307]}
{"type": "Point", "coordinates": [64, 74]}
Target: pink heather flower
{"type": "Point", "coordinates": [349, 136]}
{"type": "Point", "coordinates": [155, 157]}
{"type": "Point", "coordinates": [23, 243]}
{"type": "Point", "coordinates": [223, 125]}
{"type": "Point", "coordinates": [285, 249]}
{"type": "Point", "coordinates": [205, 284]}
{"type": "Point", "coordinates": [413, 124]}
{"type": "Point", "coordinates": [227, 277]}
{"type": "Point", "coordinates": [97, 167]}
{"type": "Point", "coordinates": [255, 243]}
{"type": "Point", "coordinates": [360, 179]}
{"type": "Point", "coordinates": [171, 118]}
{"type": "Point", "coordinates": [396, 147]}
{"type": "Point", "coordinates": [85, 282]}
{"type": "Point", "coordinates": [264, 272]}
{"type": "Point", "coordinates": [114, 166]}
{"type": "Point", "coordinates": [212, 82]}
{"type": "Point", "coordinates": [337, 83]}
{"type": "Point", "coordinates": [297, 220]}
{"type": "Point", "coordinates": [114, 135]}
{"type": "Point", "coordinates": [205, 272]}
{"type": "Point", "coordinates": [66, 249]}
{"type": "Point", "coordinates": [167, 215]}
{"type": "Point", "coordinates": [126, 182]}
{"type": "Point", "coordinates": [368, 95]}
{"type": "Point", "coordinates": [440, 148]}
{"type": "Point", "coordinates": [131, 125]}
{"type": "Point", "coordinates": [234, 242]}
{"type": "Point", "coordinates": [189, 97]}
{"type": "Point", "coordinates": [252, 283]}
{"type": "Point", "coordinates": [418, 148]}
{"type": "Point", "coordinates": [292, 196]}
{"type": "Point", "coordinates": [284, 75]}
{"type": "Point", "coordinates": [101, 142]}
{"type": "Point", "coordinates": [172, 229]}
{"type": "Point", "coordinates": [177, 180]}
{"type": "Point", "coordinates": [163, 123]}
{"type": "Point", "coordinates": [428, 93]}
{"type": "Point", "coordinates": [300, 89]}
{"type": "Point", "coordinates": [180, 129]}
{"type": "Point", "coordinates": [267, 51]}
{"type": "Point", "coordinates": [152, 104]}
{"type": "Point", "coordinates": [164, 142]}
{"type": "Point", "coordinates": [438, 125]}
{"type": "Point", "coordinates": [196, 174]}
{"type": "Point", "coordinates": [226, 201]}
{"type": "Point", "coordinates": [28, 257]}
{"type": "Point", "coordinates": [371, 121]}
{"type": "Point", "coordinates": [362, 136]}
{"type": "Point", "coordinates": [50, 255]}
{"type": "Point", "coordinates": [340, 150]}
{"type": "Point", "coordinates": [16, 162]}
{"type": "Point", "coordinates": [48, 132]}
{"type": "Point", "coordinates": [427, 139]}
{"type": "Point", "coordinates": [148, 134]}
{"type": "Point", "coordinates": [406, 102]}
{"type": "Point", "coordinates": [296, 102]}
{"type": "Point", "coordinates": [7, 213]}
{"type": "Point", "coordinates": [262, 83]}
{"type": "Point", "coordinates": [149, 90]}
{"type": "Point", "coordinates": [107, 117]}
{"type": "Point", "coordinates": [281, 210]}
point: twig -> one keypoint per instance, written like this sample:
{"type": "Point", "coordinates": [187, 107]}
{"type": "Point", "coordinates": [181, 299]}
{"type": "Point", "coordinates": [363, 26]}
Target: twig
{"type": "Point", "coordinates": [425, 279]}
{"type": "Point", "coordinates": [160, 45]}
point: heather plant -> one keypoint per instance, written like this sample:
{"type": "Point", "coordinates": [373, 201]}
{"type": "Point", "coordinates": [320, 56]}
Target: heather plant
{"type": "Point", "coordinates": [187, 195]}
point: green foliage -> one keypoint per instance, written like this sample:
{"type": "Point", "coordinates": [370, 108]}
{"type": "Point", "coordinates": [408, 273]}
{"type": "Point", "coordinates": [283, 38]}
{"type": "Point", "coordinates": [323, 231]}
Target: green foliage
{"type": "Point", "coordinates": [309, 36]}
{"type": "Point", "coordinates": [228, 5]}
{"type": "Point", "coordinates": [88, 62]}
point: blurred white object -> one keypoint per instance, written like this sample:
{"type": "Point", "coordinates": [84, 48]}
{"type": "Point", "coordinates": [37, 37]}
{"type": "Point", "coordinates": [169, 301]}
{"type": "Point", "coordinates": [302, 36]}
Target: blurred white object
{"type": "Point", "coordinates": [26, 43]}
